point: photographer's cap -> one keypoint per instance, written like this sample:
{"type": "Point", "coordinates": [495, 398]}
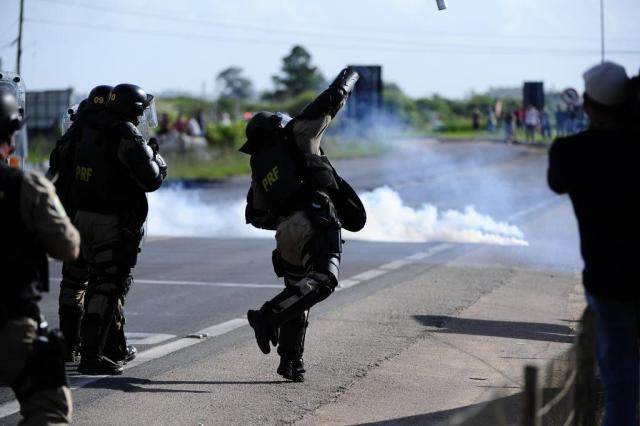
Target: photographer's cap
{"type": "Point", "coordinates": [607, 83]}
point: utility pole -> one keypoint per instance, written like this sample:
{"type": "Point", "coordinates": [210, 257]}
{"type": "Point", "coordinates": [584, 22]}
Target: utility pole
{"type": "Point", "coordinates": [602, 30]}
{"type": "Point", "coordinates": [20, 37]}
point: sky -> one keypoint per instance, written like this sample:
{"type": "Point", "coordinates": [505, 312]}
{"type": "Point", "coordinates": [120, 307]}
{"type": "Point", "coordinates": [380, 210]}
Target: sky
{"type": "Point", "coordinates": [181, 46]}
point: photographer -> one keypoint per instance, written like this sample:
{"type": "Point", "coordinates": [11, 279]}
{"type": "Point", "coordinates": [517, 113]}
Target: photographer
{"type": "Point", "coordinates": [598, 169]}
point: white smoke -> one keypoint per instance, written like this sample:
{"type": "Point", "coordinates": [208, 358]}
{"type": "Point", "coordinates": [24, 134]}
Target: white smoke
{"type": "Point", "coordinates": [176, 212]}
{"type": "Point", "coordinates": [183, 213]}
{"type": "Point", "coordinates": [389, 219]}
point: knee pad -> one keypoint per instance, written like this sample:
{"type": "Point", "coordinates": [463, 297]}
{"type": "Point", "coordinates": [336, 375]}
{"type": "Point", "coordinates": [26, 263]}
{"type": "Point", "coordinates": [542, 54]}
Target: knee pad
{"type": "Point", "coordinates": [45, 367]}
{"type": "Point", "coordinates": [103, 308]}
{"type": "Point", "coordinates": [294, 300]}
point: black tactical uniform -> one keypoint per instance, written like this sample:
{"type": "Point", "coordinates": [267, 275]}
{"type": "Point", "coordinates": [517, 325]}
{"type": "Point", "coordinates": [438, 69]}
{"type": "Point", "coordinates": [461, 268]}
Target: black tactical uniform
{"type": "Point", "coordinates": [296, 191]}
{"type": "Point", "coordinates": [34, 225]}
{"type": "Point", "coordinates": [75, 274]}
{"type": "Point", "coordinates": [114, 168]}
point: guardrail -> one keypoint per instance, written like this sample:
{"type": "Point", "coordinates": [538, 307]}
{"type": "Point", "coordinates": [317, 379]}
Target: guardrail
{"type": "Point", "coordinates": [565, 392]}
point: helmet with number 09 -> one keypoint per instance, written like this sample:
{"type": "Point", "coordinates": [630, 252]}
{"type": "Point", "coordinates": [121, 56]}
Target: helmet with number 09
{"type": "Point", "coordinates": [98, 97]}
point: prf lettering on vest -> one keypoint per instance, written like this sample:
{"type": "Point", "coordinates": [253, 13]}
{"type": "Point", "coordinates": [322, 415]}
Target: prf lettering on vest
{"type": "Point", "coordinates": [83, 173]}
{"type": "Point", "coordinates": [270, 178]}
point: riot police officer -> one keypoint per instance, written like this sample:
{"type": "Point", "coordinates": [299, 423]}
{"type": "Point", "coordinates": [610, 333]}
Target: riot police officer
{"type": "Point", "coordinates": [114, 168]}
{"type": "Point", "coordinates": [75, 274]}
{"type": "Point", "coordinates": [296, 191]}
{"type": "Point", "coordinates": [34, 225]}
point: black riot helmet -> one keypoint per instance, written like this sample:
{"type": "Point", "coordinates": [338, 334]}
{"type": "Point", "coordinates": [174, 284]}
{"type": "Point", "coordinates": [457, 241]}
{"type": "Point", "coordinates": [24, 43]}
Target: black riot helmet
{"type": "Point", "coordinates": [98, 97]}
{"type": "Point", "coordinates": [129, 101]}
{"type": "Point", "coordinates": [262, 130]}
{"type": "Point", "coordinates": [10, 118]}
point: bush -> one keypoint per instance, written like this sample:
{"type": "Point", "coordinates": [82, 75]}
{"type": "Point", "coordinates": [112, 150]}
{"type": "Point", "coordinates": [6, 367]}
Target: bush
{"type": "Point", "coordinates": [456, 123]}
{"type": "Point", "coordinates": [225, 136]}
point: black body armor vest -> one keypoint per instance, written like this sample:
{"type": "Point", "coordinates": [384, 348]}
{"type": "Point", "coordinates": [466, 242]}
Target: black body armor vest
{"type": "Point", "coordinates": [23, 261]}
{"type": "Point", "coordinates": [101, 182]}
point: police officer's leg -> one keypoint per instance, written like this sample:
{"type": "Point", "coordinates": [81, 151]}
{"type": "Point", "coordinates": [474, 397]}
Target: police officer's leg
{"type": "Point", "coordinates": [107, 283]}
{"type": "Point", "coordinates": [35, 372]}
{"type": "Point", "coordinates": [291, 334]}
{"type": "Point", "coordinates": [75, 276]}
{"type": "Point", "coordinates": [323, 250]}
{"type": "Point", "coordinates": [101, 310]}
{"type": "Point", "coordinates": [116, 347]}
{"type": "Point", "coordinates": [291, 338]}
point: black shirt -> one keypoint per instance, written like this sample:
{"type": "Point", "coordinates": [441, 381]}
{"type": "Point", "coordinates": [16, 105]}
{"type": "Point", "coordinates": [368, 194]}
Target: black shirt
{"type": "Point", "coordinates": [600, 170]}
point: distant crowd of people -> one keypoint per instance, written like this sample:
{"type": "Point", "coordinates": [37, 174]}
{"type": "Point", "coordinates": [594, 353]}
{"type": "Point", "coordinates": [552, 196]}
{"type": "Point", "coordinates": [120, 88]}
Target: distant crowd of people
{"type": "Point", "coordinates": [568, 121]}
{"type": "Point", "coordinates": [182, 125]}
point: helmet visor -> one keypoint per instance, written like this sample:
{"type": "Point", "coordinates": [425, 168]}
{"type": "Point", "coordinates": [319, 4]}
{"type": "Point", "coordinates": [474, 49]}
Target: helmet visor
{"type": "Point", "coordinates": [14, 83]}
{"type": "Point", "coordinates": [150, 115]}
{"type": "Point", "coordinates": [67, 118]}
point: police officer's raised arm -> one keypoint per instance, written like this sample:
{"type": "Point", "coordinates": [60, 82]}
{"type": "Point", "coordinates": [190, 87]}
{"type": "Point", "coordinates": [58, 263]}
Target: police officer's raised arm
{"type": "Point", "coordinates": [44, 215]}
{"type": "Point", "coordinates": [147, 167]}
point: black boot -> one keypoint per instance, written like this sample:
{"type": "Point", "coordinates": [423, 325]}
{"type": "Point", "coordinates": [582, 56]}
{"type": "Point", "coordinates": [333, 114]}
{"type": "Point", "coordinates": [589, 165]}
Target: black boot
{"type": "Point", "coordinates": [263, 330]}
{"type": "Point", "coordinates": [124, 356]}
{"type": "Point", "coordinates": [291, 346]}
{"type": "Point", "coordinates": [116, 347]}
{"type": "Point", "coordinates": [98, 366]}
{"type": "Point", "coordinates": [292, 369]}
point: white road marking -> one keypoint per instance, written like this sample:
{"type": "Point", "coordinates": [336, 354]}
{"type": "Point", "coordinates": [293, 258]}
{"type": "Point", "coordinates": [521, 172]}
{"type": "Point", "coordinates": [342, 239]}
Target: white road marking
{"type": "Point", "coordinates": [395, 265]}
{"type": "Point", "coordinates": [369, 275]}
{"type": "Point", "coordinates": [9, 408]}
{"type": "Point", "coordinates": [206, 284]}
{"type": "Point", "coordinates": [430, 252]}
{"type": "Point", "coordinates": [136, 338]}
{"type": "Point", "coordinates": [531, 209]}
{"type": "Point", "coordinates": [346, 284]}
{"type": "Point", "coordinates": [195, 283]}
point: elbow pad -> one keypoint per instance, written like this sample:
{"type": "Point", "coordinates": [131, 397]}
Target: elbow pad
{"type": "Point", "coordinates": [142, 163]}
{"type": "Point", "coordinates": [162, 165]}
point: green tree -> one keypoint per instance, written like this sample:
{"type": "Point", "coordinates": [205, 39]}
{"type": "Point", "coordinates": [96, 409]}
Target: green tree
{"type": "Point", "coordinates": [233, 84]}
{"type": "Point", "coordinates": [297, 75]}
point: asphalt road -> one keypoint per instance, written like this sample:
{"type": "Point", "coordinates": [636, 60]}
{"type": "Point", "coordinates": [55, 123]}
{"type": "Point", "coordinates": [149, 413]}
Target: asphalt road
{"type": "Point", "coordinates": [189, 285]}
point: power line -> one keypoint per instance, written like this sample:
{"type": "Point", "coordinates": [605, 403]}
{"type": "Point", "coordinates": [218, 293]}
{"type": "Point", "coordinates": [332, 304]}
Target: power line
{"type": "Point", "coordinates": [426, 48]}
{"type": "Point", "coordinates": [11, 43]}
{"type": "Point", "coordinates": [271, 30]}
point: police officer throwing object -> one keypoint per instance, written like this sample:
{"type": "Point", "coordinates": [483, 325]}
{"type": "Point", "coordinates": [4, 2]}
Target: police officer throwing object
{"type": "Point", "coordinates": [75, 274]}
{"type": "Point", "coordinates": [34, 224]}
{"type": "Point", "coordinates": [114, 168]}
{"type": "Point", "coordinates": [296, 192]}
{"type": "Point", "coordinates": [598, 169]}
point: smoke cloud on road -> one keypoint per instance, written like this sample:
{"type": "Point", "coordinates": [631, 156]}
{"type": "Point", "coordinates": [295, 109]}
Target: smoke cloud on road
{"type": "Point", "coordinates": [178, 212]}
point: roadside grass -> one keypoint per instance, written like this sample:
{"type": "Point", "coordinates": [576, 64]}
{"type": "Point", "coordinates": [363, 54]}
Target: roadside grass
{"type": "Point", "coordinates": [39, 150]}
{"type": "Point", "coordinates": [219, 164]}
{"type": "Point", "coordinates": [498, 135]}
{"type": "Point", "coordinates": [207, 166]}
